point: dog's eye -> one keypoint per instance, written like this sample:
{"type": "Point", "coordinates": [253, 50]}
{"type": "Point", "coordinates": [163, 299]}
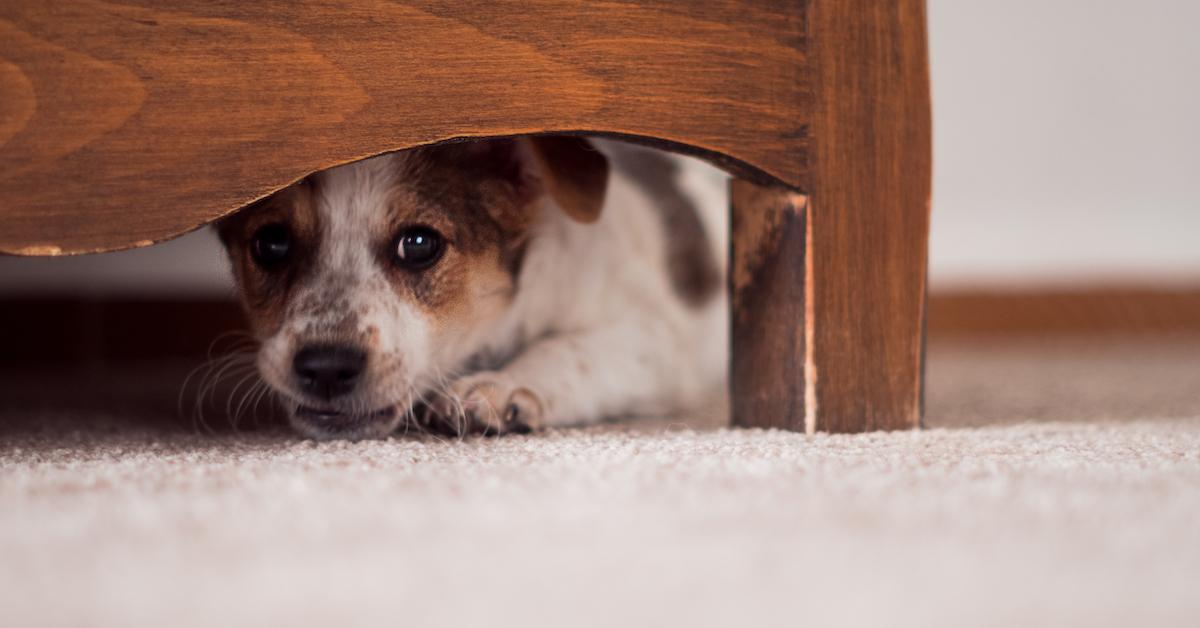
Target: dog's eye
{"type": "Point", "coordinates": [271, 245]}
{"type": "Point", "coordinates": [418, 247]}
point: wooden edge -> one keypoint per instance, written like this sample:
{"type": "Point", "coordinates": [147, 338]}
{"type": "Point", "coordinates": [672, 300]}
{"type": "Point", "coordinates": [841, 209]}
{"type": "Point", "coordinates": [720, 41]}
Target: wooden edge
{"type": "Point", "coordinates": [1094, 312]}
{"type": "Point", "coordinates": [810, 324]}
{"type": "Point", "coordinates": [728, 163]}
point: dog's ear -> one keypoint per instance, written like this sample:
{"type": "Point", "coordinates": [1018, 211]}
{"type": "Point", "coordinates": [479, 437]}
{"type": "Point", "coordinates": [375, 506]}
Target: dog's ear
{"type": "Point", "coordinates": [574, 174]}
{"type": "Point", "coordinates": [567, 169]}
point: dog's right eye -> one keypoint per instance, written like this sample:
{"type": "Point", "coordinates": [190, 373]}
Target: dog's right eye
{"type": "Point", "coordinates": [271, 245]}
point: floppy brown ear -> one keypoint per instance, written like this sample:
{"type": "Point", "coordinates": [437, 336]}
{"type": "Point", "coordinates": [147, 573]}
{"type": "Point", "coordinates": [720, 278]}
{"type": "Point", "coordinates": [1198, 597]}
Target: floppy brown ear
{"type": "Point", "coordinates": [568, 169]}
{"type": "Point", "coordinates": [573, 173]}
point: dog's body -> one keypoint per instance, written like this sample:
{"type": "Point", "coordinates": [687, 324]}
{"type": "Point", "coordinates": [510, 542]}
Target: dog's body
{"type": "Point", "coordinates": [535, 311]}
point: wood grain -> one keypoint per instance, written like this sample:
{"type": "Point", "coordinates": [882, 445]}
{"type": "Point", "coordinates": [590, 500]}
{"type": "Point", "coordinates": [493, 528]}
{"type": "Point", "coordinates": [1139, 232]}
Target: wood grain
{"type": "Point", "coordinates": [869, 184]}
{"type": "Point", "coordinates": [828, 290]}
{"type": "Point", "coordinates": [1092, 311]}
{"type": "Point", "coordinates": [126, 123]}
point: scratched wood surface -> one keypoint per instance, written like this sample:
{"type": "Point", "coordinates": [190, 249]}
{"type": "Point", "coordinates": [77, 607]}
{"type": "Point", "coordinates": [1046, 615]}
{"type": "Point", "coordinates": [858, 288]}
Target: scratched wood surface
{"type": "Point", "coordinates": [829, 288]}
{"type": "Point", "coordinates": [124, 123]}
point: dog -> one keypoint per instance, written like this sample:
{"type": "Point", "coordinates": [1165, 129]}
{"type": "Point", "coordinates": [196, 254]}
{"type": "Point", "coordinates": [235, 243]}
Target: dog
{"type": "Point", "coordinates": [487, 287]}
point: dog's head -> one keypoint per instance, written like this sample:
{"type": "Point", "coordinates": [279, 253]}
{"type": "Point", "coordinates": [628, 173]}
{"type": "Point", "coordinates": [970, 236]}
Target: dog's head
{"type": "Point", "coordinates": [370, 282]}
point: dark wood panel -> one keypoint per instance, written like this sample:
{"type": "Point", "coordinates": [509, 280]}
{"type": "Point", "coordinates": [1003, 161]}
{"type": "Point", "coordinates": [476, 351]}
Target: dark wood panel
{"type": "Point", "coordinates": [39, 331]}
{"type": "Point", "coordinates": [770, 309]}
{"type": "Point", "coordinates": [129, 122]}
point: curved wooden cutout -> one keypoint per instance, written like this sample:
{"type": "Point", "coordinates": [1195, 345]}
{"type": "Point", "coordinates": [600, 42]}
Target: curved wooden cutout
{"type": "Point", "coordinates": [122, 124]}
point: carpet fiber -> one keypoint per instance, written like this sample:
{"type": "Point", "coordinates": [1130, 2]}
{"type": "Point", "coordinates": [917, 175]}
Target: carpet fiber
{"type": "Point", "coordinates": [1056, 484]}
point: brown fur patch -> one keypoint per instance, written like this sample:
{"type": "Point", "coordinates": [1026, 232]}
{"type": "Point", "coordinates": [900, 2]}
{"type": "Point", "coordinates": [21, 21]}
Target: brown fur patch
{"type": "Point", "coordinates": [264, 294]}
{"type": "Point", "coordinates": [690, 263]}
{"type": "Point", "coordinates": [576, 174]}
{"type": "Point", "coordinates": [478, 195]}
{"type": "Point", "coordinates": [482, 209]}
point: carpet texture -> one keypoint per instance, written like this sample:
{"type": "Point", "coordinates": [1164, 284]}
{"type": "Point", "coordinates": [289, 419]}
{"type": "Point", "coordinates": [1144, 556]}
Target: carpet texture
{"type": "Point", "coordinates": [1057, 484]}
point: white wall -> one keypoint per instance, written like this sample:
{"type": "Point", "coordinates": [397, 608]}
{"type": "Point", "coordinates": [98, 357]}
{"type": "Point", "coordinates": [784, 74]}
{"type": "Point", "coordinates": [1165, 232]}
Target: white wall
{"type": "Point", "coordinates": [193, 265]}
{"type": "Point", "coordinates": [1067, 150]}
{"type": "Point", "coordinates": [1067, 140]}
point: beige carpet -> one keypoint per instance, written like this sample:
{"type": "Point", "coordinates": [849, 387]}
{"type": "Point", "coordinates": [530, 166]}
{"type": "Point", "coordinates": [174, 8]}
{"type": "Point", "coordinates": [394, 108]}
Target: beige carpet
{"type": "Point", "coordinates": [1058, 484]}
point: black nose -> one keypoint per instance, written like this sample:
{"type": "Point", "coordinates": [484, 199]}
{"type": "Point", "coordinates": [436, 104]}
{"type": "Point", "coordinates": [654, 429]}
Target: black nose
{"type": "Point", "coordinates": [328, 371]}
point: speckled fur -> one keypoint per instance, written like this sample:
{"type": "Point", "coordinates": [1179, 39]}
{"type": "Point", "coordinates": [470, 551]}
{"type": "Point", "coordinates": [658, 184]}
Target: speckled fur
{"type": "Point", "coordinates": [528, 310]}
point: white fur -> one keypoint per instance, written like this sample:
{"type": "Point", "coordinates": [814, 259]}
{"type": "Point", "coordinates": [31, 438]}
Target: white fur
{"type": "Point", "coordinates": [595, 330]}
{"type": "Point", "coordinates": [598, 295]}
{"type": "Point", "coordinates": [346, 282]}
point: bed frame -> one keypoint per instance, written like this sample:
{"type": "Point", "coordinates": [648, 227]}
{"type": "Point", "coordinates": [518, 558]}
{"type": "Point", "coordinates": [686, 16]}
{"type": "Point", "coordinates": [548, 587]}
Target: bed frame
{"type": "Point", "coordinates": [124, 124]}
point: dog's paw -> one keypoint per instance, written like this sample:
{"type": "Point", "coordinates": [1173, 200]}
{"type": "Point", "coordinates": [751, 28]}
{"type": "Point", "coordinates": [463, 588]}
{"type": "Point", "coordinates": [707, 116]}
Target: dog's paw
{"type": "Point", "coordinates": [486, 403]}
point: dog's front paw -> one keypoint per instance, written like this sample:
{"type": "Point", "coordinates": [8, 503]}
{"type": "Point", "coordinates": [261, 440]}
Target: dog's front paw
{"type": "Point", "coordinates": [484, 403]}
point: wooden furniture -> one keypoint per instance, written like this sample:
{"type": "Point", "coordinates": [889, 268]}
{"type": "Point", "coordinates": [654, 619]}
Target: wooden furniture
{"type": "Point", "coordinates": [123, 124]}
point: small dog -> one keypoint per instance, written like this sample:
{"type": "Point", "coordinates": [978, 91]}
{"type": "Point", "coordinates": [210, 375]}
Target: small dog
{"type": "Point", "coordinates": [487, 287]}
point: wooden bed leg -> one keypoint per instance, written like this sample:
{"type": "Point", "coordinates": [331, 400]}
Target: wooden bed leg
{"type": "Point", "coordinates": [827, 322]}
{"type": "Point", "coordinates": [828, 288]}
{"type": "Point", "coordinates": [770, 375]}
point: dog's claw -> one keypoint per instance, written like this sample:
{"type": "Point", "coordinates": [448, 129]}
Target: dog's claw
{"type": "Point", "coordinates": [485, 403]}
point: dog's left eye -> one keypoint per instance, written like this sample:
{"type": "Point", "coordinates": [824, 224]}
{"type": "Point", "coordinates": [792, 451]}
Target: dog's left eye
{"type": "Point", "coordinates": [418, 247]}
